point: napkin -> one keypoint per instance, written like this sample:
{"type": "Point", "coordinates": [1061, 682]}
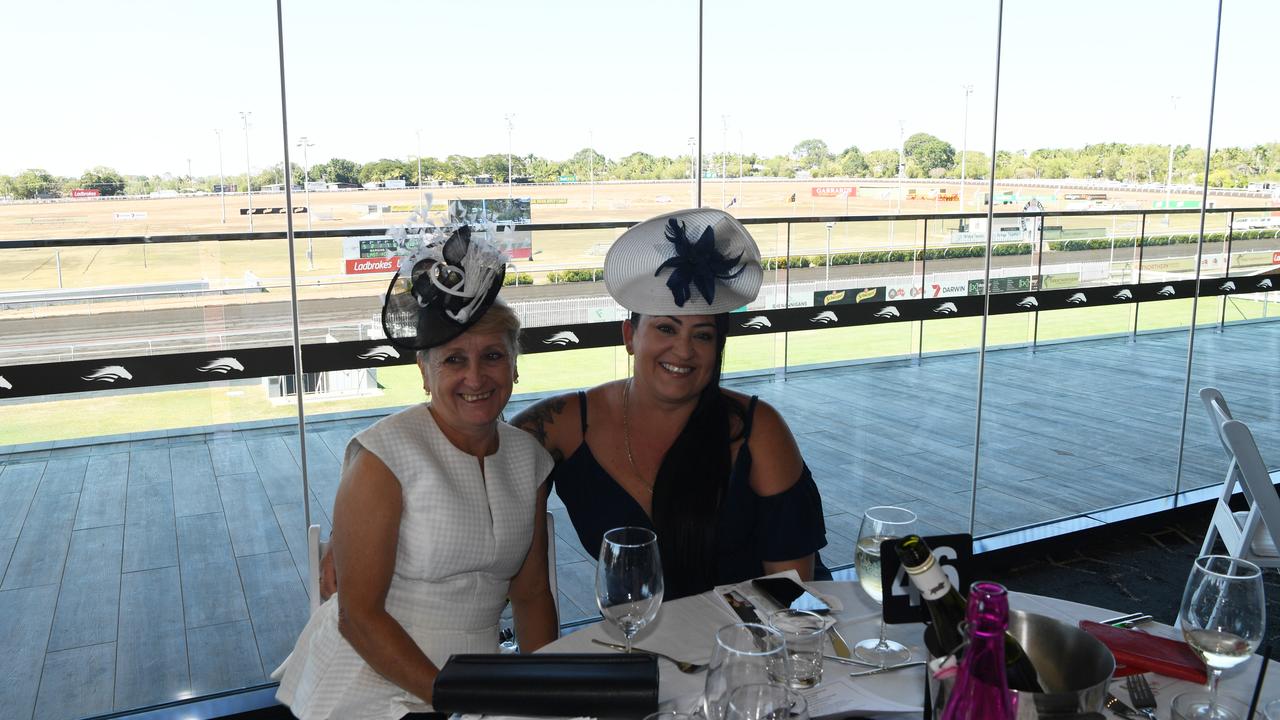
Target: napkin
{"type": "Point", "coordinates": [560, 685]}
{"type": "Point", "coordinates": [1139, 652]}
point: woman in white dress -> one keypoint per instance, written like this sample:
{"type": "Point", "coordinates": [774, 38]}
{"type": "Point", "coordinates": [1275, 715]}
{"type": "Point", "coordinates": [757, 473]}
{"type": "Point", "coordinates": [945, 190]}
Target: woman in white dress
{"type": "Point", "coordinates": [437, 519]}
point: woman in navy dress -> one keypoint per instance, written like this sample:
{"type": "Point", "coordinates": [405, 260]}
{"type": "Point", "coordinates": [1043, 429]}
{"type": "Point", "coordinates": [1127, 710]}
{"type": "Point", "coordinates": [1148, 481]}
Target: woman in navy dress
{"type": "Point", "coordinates": [715, 473]}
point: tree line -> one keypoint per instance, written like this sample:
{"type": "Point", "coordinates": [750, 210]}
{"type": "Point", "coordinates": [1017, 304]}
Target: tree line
{"type": "Point", "coordinates": [922, 156]}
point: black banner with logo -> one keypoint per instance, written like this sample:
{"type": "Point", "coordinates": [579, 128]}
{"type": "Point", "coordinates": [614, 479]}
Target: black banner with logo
{"type": "Point", "coordinates": [140, 371]}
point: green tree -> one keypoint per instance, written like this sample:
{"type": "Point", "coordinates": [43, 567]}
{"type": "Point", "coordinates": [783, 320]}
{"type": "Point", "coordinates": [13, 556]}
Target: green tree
{"type": "Point", "coordinates": [336, 170]}
{"type": "Point", "coordinates": [103, 179]}
{"type": "Point", "coordinates": [809, 154]}
{"type": "Point", "coordinates": [6, 186]}
{"type": "Point", "coordinates": [384, 170]}
{"type": "Point", "coordinates": [34, 183]}
{"type": "Point", "coordinates": [928, 152]}
{"type": "Point", "coordinates": [852, 163]}
{"type": "Point", "coordinates": [882, 163]}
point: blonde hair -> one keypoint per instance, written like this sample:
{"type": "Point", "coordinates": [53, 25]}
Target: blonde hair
{"type": "Point", "coordinates": [499, 318]}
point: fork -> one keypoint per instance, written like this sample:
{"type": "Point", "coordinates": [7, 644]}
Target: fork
{"type": "Point", "coordinates": [1144, 701]}
{"type": "Point", "coordinates": [681, 665]}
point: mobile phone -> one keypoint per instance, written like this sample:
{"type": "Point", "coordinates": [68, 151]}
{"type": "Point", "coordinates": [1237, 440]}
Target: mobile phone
{"type": "Point", "coordinates": [788, 593]}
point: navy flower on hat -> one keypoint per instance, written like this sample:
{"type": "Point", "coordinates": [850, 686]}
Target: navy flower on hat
{"type": "Point", "coordinates": [696, 263]}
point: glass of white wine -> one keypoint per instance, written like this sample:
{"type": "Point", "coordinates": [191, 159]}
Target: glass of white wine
{"type": "Point", "coordinates": [1223, 615]}
{"type": "Point", "coordinates": [879, 523]}
{"type": "Point", "coordinates": [629, 579]}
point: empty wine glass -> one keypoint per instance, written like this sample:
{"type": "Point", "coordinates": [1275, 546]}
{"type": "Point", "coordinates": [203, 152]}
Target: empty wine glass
{"type": "Point", "coordinates": [1222, 617]}
{"type": "Point", "coordinates": [629, 579]}
{"type": "Point", "coordinates": [744, 654]}
{"type": "Point", "coordinates": [879, 523]}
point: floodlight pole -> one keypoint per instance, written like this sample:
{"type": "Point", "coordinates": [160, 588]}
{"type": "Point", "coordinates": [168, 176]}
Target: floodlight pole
{"type": "Point", "coordinates": [828, 263]}
{"type": "Point", "coordinates": [248, 174]}
{"type": "Point", "coordinates": [222, 179]}
{"type": "Point", "coordinates": [964, 142]}
{"type": "Point", "coordinates": [304, 143]}
{"type": "Point", "coordinates": [724, 154]}
{"type": "Point", "coordinates": [591, 165]}
{"type": "Point", "coordinates": [1168, 178]}
{"type": "Point", "coordinates": [419, 134]}
{"type": "Point", "coordinates": [508, 117]}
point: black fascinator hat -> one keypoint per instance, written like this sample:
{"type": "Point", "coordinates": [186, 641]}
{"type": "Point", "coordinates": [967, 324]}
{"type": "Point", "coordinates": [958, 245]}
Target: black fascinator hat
{"type": "Point", "coordinates": [442, 289]}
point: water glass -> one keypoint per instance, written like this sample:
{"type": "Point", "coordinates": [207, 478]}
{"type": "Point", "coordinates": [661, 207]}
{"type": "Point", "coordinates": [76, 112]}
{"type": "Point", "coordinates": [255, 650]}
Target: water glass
{"type": "Point", "coordinates": [803, 633]}
{"type": "Point", "coordinates": [766, 701]}
{"type": "Point", "coordinates": [744, 654]}
{"type": "Point", "coordinates": [629, 579]}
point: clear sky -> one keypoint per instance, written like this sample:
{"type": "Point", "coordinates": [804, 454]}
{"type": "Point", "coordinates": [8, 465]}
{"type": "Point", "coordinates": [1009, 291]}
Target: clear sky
{"type": "Point", "coordinates": [142, 85]}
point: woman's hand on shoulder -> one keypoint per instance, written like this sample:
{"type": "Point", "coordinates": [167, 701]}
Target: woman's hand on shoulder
{"type": "Point", "coordinates": [552, 421]}
{"type": "Point", "coordinates": [775, 457]}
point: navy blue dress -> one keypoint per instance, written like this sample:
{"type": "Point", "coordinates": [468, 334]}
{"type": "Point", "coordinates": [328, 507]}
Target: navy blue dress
{"type": "Point", "coordinates": [750, 529]}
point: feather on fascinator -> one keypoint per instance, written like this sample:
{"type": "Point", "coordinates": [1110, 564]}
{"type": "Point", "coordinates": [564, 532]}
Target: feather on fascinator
{"type": "Point", "coordinates": [655, 269]}
{"type": "Point", "coordinates": [442, 289]}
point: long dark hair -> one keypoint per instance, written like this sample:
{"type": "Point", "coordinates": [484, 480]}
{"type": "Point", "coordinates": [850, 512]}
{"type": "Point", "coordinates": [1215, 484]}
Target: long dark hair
{"type": "Point", "coordinates": [692, 483]}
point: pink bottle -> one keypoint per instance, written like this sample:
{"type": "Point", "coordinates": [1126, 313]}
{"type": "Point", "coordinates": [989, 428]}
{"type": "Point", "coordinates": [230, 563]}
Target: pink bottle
{"type": "Point", "coordinates": [982, 690]}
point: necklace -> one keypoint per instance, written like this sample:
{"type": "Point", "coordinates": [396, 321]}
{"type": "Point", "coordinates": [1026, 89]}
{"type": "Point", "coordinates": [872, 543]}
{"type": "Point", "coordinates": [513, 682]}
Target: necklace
{"type": "Point", "coordinates": [626, 436]}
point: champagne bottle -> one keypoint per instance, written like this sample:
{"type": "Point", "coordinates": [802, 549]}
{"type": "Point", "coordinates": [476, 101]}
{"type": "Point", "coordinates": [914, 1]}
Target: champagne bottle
{"type": "Point", "coordinates": [947, 608]}
{"type": "Point", "coordinates": [982, 689]}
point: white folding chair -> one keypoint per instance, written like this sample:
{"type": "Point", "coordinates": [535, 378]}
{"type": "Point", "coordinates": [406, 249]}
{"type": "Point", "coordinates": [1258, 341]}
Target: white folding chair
{"type": "Point", "coordinates": [1253, 534]}
{"type": "Point", "coordinates": [316, 549]}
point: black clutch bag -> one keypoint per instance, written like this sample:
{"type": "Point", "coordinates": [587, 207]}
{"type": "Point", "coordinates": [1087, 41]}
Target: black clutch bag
{"type": "Point", "coordinates": [572, 685]}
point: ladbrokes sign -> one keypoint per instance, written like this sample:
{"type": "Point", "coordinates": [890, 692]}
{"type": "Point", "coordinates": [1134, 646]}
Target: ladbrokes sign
{"type": "Point", "coordinates": [373, 265]}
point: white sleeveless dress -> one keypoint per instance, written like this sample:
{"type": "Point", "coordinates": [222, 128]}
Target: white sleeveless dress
{"type": "Point", "coordinates": [463, 536]}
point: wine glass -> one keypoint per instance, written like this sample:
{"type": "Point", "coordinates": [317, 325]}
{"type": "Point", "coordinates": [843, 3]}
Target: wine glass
{"type": "Point", "coordinates": [879, 523]}
{"type": "Point", "coordinates": [744, 654]}
{"type": "Point", "coordinates": [1222, 617]}
{"type": "Point", "coordinates": [629, 579]}
{"type": "Point", "coordinates": [761, 701]}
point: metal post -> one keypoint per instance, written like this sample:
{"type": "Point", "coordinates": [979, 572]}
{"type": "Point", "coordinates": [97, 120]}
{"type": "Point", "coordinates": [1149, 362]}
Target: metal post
{"type": "Point", "coordinates": [964, 142]}
{"type": "Point", "coordinates": [591, 165]}
{"type": "Point", "coordinates": [924, 259]}
{"type": "Point", "coordinates": [419, 134]}
{"type": "Point", "coordinates": [248, 174]}
{"type": "Point", "coordinates": [1195, 299]}
{"type": "Point", "coordinates": [57, 259]}
{"type": "Point", "coordinates": [298, 377]}
{"type": "Point", "coordinates": [1226, 270]}
{"type": "Point", "coordinates": [1139, 245]}
{"type": "Point", "coordinates": [1035, 314]}
{"type": "Point", "coordinates": [222, 179]}
{"type": "Point", "coordinates": [697, 179]}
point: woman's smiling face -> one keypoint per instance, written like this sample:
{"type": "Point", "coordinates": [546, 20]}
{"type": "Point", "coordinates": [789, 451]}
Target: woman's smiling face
{"type": "Point", "coordinates": [470, 380]}
{"type": "Point", "coordinates": [675, 357]}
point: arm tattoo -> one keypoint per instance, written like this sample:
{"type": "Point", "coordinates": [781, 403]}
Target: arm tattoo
{"type": "Point", "coordinates": [535, 418]}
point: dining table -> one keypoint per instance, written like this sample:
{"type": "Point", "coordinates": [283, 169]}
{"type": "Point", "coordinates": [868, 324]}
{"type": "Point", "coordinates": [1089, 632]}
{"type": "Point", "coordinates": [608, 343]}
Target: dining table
{"type": "Point", "coordinates": [685, 629]}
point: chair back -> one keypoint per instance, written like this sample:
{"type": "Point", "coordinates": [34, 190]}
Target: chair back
{"type": "Point", "coordinates": [1219, 412]}
{"type": "Point", "coordinates": [315, 550]}
{"type": "Point", "coordinates": [551, 563]}
{"type": "Point", "coordinates": [1264, 508]}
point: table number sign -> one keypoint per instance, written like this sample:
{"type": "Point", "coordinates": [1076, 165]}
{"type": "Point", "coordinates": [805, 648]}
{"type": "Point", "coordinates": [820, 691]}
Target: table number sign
{"type": "Point", "coordinates": [901, 598]}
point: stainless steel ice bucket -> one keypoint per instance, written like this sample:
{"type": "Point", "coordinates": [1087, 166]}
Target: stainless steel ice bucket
{"type": "Point", "coordinates": [1074, 668]}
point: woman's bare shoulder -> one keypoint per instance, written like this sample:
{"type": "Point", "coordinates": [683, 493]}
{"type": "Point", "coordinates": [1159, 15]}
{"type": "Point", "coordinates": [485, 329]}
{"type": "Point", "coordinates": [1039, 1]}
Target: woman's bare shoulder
{"type": "Point", "coordinates": [552, 421]}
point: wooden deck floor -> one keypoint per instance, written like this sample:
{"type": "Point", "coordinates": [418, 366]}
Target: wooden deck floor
{"type": "Point", "coordinates": [143, 571]}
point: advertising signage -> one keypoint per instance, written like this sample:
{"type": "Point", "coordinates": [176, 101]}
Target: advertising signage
{"type": "Point", "coordinates": [834, 191]}
{"type": "Point", "coordinates": [850, 296]}
{"type": "Point", "coordinates": [517, 244]}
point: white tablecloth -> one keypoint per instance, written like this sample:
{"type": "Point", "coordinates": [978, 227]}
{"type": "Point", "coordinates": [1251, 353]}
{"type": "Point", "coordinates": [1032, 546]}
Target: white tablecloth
{"type": "Point", "coordinates": [685, 629]}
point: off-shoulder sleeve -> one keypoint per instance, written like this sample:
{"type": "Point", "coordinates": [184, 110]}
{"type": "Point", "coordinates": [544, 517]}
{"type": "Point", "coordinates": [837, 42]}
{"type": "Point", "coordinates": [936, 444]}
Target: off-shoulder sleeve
{"type": "Point", "coordinates": [789, 525]}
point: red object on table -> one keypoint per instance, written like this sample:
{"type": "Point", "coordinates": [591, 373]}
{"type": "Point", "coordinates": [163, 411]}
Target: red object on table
{"type": "Point", "coordinates": [1139, 652]}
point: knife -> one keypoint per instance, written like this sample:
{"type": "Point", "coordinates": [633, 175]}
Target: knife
{"type": "Point", "coordinates": [742, 607]}
{"type": "Point", "coordinates": [838, 645]}
{"type": "Point", "coordinates": [1115, 705]}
